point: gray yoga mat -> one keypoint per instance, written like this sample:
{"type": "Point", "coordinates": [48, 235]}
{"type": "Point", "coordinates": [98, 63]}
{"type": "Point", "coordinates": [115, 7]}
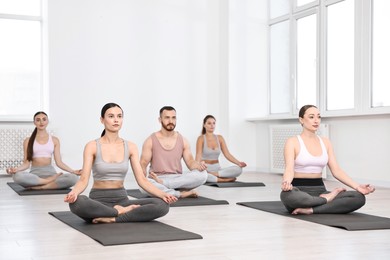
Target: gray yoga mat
{"type": "Point", "coordinates": [199, 201]}
{"type": "Point", "coordinates": [234, 184]}
{"type": "Point", "coordinates": [352, 221]}
{"type": "Point", "coordinates": [23, 191]}
{"type": "Point", "coordinates": [125, 233]}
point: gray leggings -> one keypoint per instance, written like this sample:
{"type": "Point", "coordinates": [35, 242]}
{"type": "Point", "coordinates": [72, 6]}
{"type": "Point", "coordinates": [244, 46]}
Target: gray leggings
{"type": "Point", "coordinates": [308, 197]}
{"type": "Point", "coordinates": [31, 179]}
{"type": "Point", "coordinates": [101, 202]}
{"type": "Point", "coordinates": [172, 183]}
{"type": "Point", "coordinates": [228, 172]}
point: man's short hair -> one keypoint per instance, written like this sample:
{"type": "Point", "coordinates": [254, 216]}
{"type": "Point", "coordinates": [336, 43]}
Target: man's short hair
{"type": "Point", "coordinates": [169, 108]}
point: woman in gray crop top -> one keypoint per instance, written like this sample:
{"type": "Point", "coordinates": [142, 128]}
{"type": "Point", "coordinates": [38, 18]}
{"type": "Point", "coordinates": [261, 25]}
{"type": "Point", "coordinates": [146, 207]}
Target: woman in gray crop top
{"type": "Point", "coordinates": [39, 149]}
{"type": "Point", "coordinates": [208, 148]}
{"type": "Point", "coordinates": [108, 158]}
{"type": "Point", "coordinates": [303, 191]}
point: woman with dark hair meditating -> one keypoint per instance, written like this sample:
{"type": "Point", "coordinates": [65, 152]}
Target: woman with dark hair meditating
{"type": "Point", "coordinates": [108, 158]}
{"type": "Point", "coordinates": [303, 191]}
{"type": "Point", "coordinates": [39, 149]}
{"type": "Point", "coordinates": [209, 147]}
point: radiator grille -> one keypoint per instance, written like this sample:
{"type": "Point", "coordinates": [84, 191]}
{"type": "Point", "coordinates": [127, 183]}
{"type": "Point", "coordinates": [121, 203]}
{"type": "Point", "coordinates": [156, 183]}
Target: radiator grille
{"type": "Point", "coordinates": [278, 136]}
{"type": "Point", "coordinates": [11, 145]}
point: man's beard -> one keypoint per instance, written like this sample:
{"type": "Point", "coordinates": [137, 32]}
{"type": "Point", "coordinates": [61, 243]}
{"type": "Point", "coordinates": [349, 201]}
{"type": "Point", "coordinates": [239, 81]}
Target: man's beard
{"type": "Point", "coordinates": [169, 127]}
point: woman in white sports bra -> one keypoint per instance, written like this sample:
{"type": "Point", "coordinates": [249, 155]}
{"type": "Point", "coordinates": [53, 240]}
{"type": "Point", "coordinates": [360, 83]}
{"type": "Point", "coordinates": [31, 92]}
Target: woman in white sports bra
{"type": "Point", "coordinates": [303, 191]}
{"type": "Point", "coordinates": [39, 149]}
{"type": "Point", "coordinates": [109, 157]}
{"type": "Point", "coordinates": [208, 149]}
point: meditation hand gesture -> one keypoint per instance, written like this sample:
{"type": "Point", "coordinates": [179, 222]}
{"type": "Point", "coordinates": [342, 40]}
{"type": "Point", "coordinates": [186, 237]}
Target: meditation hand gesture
{"type": "Point", "coordinates": [11, 170]}
{"type": "Point", "coordinates": [365, 189]}
{"type": "Point", "coordinates": [168, 198]}
{"type": "Point", "coordinates": [71, 197]}
{"type": "Point", "coordinates": [286, 186]}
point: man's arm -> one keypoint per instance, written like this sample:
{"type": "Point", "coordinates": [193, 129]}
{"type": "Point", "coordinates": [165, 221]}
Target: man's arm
{"type": "Point", "coordinates": [189, 158]}
{"type": "Point", "coordinates": [146, 155]}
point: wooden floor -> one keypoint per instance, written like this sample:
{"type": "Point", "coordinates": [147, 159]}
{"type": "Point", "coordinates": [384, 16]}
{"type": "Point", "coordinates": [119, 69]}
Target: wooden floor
{"type": "Point", "coordinates": [27, 231]}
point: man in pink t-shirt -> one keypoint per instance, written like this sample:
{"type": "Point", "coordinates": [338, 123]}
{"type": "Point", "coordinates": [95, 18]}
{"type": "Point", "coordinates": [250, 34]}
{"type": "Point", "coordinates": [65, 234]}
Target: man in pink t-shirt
{"type": "Point", "coordinates": [163, 150]}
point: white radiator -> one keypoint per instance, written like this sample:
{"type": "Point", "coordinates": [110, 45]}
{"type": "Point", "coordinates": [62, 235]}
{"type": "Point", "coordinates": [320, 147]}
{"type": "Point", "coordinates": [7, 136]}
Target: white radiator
{"type": "Point", "coordinates": [11, 145]}
{"type": "Point", "coordinates": [278, 136]}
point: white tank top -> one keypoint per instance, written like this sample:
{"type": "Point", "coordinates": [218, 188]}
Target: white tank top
{"type": "Point", "coordinates": [307, 163]}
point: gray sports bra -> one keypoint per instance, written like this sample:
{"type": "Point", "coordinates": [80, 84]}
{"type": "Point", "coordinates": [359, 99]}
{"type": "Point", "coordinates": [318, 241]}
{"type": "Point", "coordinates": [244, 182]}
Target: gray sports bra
{"type": "Point", "coordinates": [103, 171]}
{"type": "Point", "coordinates": [208, 153]}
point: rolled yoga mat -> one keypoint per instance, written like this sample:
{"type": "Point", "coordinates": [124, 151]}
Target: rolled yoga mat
{"type": "Point", "coordinates": [199, 201]}
{"type": "Point", "coordinates": [351, 221]}
{"type": "Point", "coordinates": [23, 191]}
{"type": "Point", "coordinates": [125, 233]}
{"type": "Point", "coordinates": [234, 184]}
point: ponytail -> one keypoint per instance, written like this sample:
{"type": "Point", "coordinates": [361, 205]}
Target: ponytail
{"type": "Point", "coordinates": [30, 145]}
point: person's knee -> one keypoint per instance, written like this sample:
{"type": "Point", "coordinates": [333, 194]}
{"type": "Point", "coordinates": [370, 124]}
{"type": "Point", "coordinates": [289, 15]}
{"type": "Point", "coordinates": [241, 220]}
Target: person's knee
{"type": "Point", "coordinates": [25, 179]}
{"type": "Point", "coordinates": [360, 199]}
{"type": "Point", "coordinates": [163, 207]}
{"type": "Point", "coordinates": [203, 176]}
{"type": "Point", "coordinates": [78, 204]}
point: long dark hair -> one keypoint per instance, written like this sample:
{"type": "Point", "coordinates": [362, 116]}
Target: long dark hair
{"type": "Point", "coordinates": [204, 122]}
{"type": "Point", "coordinates": [103, 112]}
{"type": "Point", "coordinates": [30, 145]}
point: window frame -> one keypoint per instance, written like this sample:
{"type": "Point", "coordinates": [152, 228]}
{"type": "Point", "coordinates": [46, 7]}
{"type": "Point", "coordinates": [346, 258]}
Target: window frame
{"type": "Point", "coordinates": [363, 42]}
{"type": "Point", "coordinates": [26, 117]}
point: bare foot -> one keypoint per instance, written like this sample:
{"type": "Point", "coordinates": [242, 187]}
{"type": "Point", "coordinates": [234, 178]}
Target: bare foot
{"type": "Point", "coordinates": [302, 211]}
{"type": "Point", "coordinates": [330, 196]}
{"type": "Point", "coordinates": [214, 173]}
{"type": "Point", "coordinates": [122, 210]}
{"type": "Point", "coordinates": [103, 220]}
{"type": "Point", "coordinates": [154, 177]}
{"type": "Point", "coordinates": [188, 194]}
{"type": "Point", "coordinates": [226, 179]}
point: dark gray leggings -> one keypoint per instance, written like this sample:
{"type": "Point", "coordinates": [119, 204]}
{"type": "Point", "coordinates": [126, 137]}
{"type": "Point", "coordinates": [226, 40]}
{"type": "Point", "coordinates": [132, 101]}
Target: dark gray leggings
{"type": "Point", "coordinates": [308, 197]}
{"type": "Point", "coordinates": [101, 202]}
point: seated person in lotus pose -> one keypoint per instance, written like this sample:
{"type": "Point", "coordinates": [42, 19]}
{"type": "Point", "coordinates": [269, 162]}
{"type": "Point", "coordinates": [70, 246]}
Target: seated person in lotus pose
{"type": "Point", "coordinates": [39, 149]}
{"type": "Point", "coordinates": [164, 150]}
{"type": "Point", "coordinates": [303, 191]}
{"type": "Point", "coordinates": [208, 149]}
{"type": "Point", "coordinates": [108, 157]}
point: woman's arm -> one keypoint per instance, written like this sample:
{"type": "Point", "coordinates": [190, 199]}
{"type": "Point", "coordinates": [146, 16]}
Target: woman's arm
{"type": "Point", "coordinates": [199, 149]}
{"type": "Point", "coordinates": [289, 160]}
{"type": "Point", "coordinates": [88, 158]}
{"type": "Point", "coordinates": [26, 164]}
{"type": "Point", "coordinates": [58, 159]}
{"type": "Point", "coordinates": [227, 154]}
{"type": "Point", "coordinates": [340, 175]}
{"type": "Point", "coordinates": [141, 179]}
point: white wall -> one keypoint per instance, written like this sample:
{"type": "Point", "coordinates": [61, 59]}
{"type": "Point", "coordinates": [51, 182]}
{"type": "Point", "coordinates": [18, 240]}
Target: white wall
{"type": "Point", "coordinates": [200, 56]}
{"type": "Point", "coordinates": [142, 55]}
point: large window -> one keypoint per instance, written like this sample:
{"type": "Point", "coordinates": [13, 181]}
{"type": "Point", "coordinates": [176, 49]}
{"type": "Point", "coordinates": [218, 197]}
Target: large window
{"type": "Point", "coordinates": [380, 54]}
{"type": "Point", "coordinates": [340, 92]}
{"type": "Point", "coordinates": [21, 59]}
{"type": "Point", "coordinates": [336, 58]}
{"type": "Point", "coordinates": [306, 82]}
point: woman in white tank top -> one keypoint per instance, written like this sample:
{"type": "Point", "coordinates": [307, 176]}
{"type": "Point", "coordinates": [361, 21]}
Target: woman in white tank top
{"type": "Point", "coordinates": [303, 191]}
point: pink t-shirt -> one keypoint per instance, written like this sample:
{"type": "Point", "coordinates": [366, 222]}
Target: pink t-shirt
{"type": "Point", "coordinates": [166, 161]}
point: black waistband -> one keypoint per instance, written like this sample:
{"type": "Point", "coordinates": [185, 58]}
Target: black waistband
{"type": "Point", "coordinates": [307, 182]}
